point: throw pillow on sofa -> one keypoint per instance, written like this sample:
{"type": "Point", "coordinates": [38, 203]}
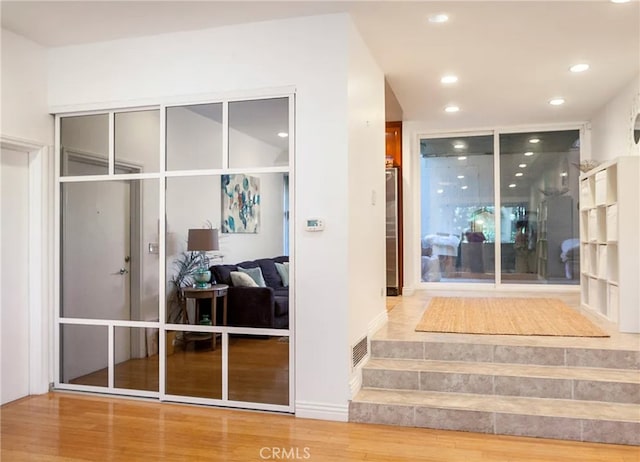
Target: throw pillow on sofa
{"type": "Point", "coordinates": [283, 271]}
{"type": "Point", "coordinates": [255, 274]}
{"type": "Point", "coordinates": [240, 279]}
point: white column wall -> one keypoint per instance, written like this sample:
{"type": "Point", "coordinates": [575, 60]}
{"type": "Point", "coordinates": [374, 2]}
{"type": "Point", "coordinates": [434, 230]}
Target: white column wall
{"type": "Point", "coordinates": [611, 126]}
{"type": "Point", "coordinates": [308, 53]}
{"type": "Point", "coordinates": [366, 195]}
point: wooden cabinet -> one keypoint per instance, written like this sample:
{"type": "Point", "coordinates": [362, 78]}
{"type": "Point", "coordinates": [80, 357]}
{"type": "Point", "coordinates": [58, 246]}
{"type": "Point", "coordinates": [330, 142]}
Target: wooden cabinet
{"type": "Point", "coordinates": [609, 241]}
{"type": "Point", "coordinates": [393, 137]}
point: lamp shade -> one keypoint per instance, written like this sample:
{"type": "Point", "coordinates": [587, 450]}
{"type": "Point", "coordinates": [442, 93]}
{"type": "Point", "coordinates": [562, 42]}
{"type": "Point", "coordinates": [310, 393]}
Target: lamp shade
{"type": "Point", "coordinates": [203, 240]}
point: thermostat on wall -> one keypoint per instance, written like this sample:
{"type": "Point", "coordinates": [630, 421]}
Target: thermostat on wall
{"type": "Point", "coordinates": [314, 224]}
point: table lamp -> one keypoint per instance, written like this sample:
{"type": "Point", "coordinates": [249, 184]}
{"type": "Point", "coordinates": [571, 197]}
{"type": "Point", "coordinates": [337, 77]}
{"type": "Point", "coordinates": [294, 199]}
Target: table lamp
{"type": "Point", "coordinates": [202, 241]}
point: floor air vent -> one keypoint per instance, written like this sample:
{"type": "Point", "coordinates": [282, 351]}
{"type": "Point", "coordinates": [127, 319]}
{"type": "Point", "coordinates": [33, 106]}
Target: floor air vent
{"type": "Point", "coordinates": [359, 351]}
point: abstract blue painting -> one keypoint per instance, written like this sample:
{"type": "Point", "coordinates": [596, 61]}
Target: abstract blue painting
{"type": "Point", "coordinates": [240, 204]}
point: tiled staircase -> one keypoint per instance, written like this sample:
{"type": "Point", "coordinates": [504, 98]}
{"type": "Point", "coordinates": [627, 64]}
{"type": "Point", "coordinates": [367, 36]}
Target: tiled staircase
{"type": "Point", "coordinates": [503, 386]}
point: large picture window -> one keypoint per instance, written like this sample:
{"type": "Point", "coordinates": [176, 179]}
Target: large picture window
{"type": "Point", "coordinates": [532, 226]}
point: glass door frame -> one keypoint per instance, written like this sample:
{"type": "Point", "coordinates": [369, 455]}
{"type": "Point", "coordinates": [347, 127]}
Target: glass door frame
{"type": "Point", "coordinates": [162, 325]}
{"type": "Point", "coordinates": [415, 230]}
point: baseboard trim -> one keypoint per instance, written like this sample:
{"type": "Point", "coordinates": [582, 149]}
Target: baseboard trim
{"type": "Point", "coordinates": [322, 411]}
{"type": "Point", "coordinates": [356, 379]}
{"type": "Point", "coordinates": [377, 322]}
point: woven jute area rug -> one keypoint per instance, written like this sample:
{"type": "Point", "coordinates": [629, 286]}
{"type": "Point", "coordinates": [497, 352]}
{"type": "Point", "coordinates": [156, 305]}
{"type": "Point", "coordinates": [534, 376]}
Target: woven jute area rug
{"type": "Point", "coordinates": [506, 316]}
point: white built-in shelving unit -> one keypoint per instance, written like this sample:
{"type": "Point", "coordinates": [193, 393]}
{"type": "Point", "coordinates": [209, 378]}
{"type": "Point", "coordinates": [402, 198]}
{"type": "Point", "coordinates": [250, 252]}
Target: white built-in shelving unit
{"type": "Point", "coordinates": [609, 241]}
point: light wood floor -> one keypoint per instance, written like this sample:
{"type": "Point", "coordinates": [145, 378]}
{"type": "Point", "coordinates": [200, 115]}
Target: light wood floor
{"type": "Point", "coordinates": [69, 427]}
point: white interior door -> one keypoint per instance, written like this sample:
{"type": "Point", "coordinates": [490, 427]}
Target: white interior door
{"type": "Point", "coordinates": [14, 279]}
{"type": "Point", "coordinates": [96, 267]}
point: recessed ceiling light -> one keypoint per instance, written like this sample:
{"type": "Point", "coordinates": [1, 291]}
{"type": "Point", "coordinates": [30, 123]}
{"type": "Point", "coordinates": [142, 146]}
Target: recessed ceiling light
{"type": "Point", "coordinates": [283, 134]}
{"type": "Point", "coordinates": [451, 109]}
{"type": "Point", "coordinates": [447, 79]}
{"type": "Point", "coordinates": [579, 67]}
{"type": "Point", "coordinates": [556, 101]}
{"type": "Point", "coordinates": [528, 153]}
{"type": "Point", "coordinates": [519, 174]}
{"type": "Point", "coordinates": [440, 191]}
{"type": "Point", "coordinates": [512, 185]}
{"type": "Point", "coordinates": [464, 187]}
{"type": "Point", "coordinates": [620, 1]}
{"type": "Point", "coordinates": [522, 165]}
{"type": "Point", "coordinates": [534, 140]}
{"type": "Point", "coordinates": [460, 177]}
{"type": "Point", "coordinates": [459, 145]}
{"type": "Point", "coordinates": [438, 18]}
{"type": "Point", "coordinates": [462, 158]}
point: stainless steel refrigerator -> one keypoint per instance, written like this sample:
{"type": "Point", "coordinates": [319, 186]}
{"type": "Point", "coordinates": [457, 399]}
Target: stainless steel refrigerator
{"type": "Point", "coordinates": [393, 277]}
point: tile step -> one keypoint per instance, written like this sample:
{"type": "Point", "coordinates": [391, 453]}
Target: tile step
{"type": "Point", "coordinates": [587, 384]}
{"type": "Point", "coordinates": [504, 415]}
{"type": "Point", "coordinates": [507, 353]}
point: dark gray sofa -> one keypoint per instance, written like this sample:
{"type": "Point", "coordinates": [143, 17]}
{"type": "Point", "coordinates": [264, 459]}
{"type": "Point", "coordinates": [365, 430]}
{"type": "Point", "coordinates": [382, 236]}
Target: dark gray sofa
{"type": "Point", "coordinates": [266, 307]}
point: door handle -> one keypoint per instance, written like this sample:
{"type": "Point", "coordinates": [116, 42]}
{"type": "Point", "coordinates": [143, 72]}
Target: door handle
{"type": "Point", "coordinates": [122, 271]}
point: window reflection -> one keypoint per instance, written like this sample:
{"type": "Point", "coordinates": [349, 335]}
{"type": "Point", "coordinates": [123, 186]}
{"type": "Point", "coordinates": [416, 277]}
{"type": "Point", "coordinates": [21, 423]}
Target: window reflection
{"type": "Point", "coordinates": [105, 226]}
{"type": "Point", "coordinates": [259, 133]}
{"type": "Point", "coordinates": [194, 137]}
{"type": "Point", "coordinates": [458, 224]}
{"type": "Point", "coordinates": [84, 145]}
{"type": "Point", "coordinates": [539, 216]}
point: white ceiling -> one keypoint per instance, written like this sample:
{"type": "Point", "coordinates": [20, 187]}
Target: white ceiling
{"type": "Point", "coordinates": [511, 57]}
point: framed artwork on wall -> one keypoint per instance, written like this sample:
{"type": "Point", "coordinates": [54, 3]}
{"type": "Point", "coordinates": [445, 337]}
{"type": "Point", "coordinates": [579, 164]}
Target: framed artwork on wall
{"type": "Point", "coordinates": [240, 203]}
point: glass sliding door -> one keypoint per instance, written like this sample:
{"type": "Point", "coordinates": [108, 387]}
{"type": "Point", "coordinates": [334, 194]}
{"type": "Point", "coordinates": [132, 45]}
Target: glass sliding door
{"type": "Point", "coordinates": [174, 253]}
{"type": "Point", "coordinates": [457, 209]}
{"type": "Point", "coordinates": [539, 207]}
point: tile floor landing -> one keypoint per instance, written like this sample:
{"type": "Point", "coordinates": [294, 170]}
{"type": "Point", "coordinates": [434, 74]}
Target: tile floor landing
{"type": "Point", "coordinates": [585, 389]}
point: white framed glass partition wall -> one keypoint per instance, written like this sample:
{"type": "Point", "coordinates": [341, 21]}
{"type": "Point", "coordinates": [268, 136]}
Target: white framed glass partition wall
{"type": "Point", "coordinates": [531, 237]}
{"type": "Point", "coordinates": [131, 183]}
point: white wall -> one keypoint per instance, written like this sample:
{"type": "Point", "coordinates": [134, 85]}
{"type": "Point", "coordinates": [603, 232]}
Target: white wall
{"type": "Point", "coordinates": [393, 110]}
{"type": "Point", "coordinates": [611, 126]}
{"type": "Point", "coordinates": [308, 54]}
{"type": "Point", "coordinates": [14, 275]}
{"type": "Point", "coordinates": [24, 111]}
{"type": "Point", "coordinates": [26, 124]}
{"type": "Point", "coordinates": [366, 193]}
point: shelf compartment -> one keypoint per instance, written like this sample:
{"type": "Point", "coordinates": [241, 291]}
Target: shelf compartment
{"type": "Point", "coordinates": [593, 225]}
{"type": "Point", "coordinates": [603, 262]}
{"type": "Point", "coordinates": [613, 262]}
{"type": "Point", "coordinates": [601, 188]}
{"type": "Point", "coordinates": [586, 193]}
{"type": "Point", "coordinates": [613, 302]}
{"type": "Point", "coordinates": [584, 226]}
{"type": "Point", "coordinates": [612, 223]}
{"type": "Point", "coordinates": [612, 184]}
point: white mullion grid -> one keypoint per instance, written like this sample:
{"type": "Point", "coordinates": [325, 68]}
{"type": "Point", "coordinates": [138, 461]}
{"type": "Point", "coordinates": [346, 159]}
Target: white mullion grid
{"type": "Point", "coordinates": [110, 322]}
{"type": "Point", "coordinates": [162, 298]}
{"type": "Point", "coordinates": [225, 135]}
{"type": "Point", "coordinates": [226, 171]}
{"type": "Point", "coordinates": [227, 403]}
{"type": "Point", "coordinates": [225, 365]}
{"type": "Point", "coordinates": [114, 177]}
{"type": "Point", "coordinates": [111, 355]}
{"type": "Point", "coordinates": [497, 181]}
{"type": "Point", "coordinates": [112, 144]}
{"type": "Point", "coordinates": [102, 390]}
{"type": "Point", "coordinates": [292, 246]}
{"type": "Point", "coordinates": [56, 255]}
{"type": "Point", "coordinates": [161, 325]}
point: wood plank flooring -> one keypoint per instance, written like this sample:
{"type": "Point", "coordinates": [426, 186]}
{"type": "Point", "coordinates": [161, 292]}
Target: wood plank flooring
{"type": "Point", "coordinates": [70, 427]}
